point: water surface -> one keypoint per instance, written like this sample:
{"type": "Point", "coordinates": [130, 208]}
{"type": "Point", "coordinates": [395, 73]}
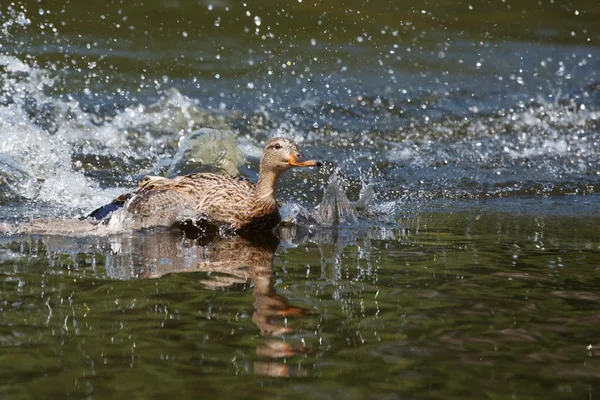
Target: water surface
{"type": "Point", "coordinates": [448, 249]}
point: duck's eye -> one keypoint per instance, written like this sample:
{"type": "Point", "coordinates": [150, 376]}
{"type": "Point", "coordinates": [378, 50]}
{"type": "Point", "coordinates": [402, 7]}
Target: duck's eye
{"type": "Point", "coordinates": [277, 146]}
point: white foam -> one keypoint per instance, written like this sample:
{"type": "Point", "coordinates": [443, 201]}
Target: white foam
{"type": "Point", "coordinates": [37, 161]}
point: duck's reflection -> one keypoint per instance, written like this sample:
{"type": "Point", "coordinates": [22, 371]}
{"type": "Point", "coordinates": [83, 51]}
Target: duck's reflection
{"type": "Point", "coordinates": [234, 260]}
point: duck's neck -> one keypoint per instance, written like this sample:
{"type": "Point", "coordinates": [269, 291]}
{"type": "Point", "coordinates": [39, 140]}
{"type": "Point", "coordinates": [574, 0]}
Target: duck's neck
{"type": "Point", "coordinates": [266, 187]}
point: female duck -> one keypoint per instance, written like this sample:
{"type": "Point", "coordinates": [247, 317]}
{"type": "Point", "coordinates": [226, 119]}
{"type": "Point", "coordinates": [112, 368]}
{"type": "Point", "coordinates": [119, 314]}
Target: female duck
{"type": "Point", "coordinates": [212, 198]}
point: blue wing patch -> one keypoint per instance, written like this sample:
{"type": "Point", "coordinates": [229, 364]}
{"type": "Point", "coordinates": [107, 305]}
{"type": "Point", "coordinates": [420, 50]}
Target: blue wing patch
{"type": "Point", "coordinates": [104, 211]}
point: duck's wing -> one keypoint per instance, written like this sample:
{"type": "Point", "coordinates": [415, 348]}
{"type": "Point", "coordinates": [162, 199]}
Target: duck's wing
{"type": "Point", "coordinates": [205, 196]}
{"type": "Point", "coordinates": [149, 183]}
{"type": "Point", "coordinates": [160, 201]}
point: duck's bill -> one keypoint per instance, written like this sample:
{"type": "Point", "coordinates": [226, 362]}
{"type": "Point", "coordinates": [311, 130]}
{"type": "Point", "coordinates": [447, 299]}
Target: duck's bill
{"type": "Point", "coordinates": [298, 160]}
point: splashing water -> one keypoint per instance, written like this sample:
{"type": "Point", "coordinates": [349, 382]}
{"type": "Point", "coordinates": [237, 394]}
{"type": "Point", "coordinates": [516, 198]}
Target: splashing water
{"type": "Point", "coordinates": [335, 208]}
{"type": "Point", "coordinates": [63, 153]}
{"type": "Point", "coordinates": [48, 147]}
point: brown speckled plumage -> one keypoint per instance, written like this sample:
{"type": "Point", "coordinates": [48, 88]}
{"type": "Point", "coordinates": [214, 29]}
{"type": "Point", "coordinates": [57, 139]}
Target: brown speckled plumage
{"type": "Point", "coordinates": [216, 198]}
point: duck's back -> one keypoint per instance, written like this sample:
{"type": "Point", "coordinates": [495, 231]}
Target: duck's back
{"type": "Point", "coordinates": [204, 196]}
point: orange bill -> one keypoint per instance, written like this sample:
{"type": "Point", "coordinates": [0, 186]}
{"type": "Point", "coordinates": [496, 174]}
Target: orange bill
{"type": "Point", "coordinates": [298, 160]}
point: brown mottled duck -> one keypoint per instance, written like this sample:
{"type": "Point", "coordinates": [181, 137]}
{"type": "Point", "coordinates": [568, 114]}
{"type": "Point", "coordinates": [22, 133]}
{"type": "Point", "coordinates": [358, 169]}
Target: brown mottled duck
{"type": "Point", "coordinates": [213, 198]}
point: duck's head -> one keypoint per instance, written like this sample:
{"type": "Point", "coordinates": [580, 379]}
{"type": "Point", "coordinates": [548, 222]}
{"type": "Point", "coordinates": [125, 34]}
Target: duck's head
{"type": "Point", "coordinates": [281, 154]}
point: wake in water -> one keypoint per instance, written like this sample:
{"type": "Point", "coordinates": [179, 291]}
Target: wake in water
{"type": "Point", "coordinates": [335, 209]}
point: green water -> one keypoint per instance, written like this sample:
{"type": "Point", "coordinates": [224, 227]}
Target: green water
{"type": "Point", "coordinates": [472, 271]}
{"type": "Point", "coordinates": [452, 305]}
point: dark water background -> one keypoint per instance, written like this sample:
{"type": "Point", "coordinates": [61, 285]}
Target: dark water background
{"type": "Point", "coordinates": [466, 136]}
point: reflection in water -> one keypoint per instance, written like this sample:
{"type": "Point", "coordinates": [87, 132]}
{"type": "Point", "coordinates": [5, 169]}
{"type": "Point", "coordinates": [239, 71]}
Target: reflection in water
{"type": "Point", "coordinates": [228, 261]}
{"type": "Point", "coordinates": [439, 298]}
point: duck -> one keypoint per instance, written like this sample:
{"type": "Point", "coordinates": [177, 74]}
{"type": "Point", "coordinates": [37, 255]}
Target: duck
{"type": "Point", "coordinates": [212, 198]}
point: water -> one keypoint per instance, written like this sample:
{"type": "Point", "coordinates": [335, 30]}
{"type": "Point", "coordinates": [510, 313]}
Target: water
{"type": "Point", "coordinates": [448, 248]}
